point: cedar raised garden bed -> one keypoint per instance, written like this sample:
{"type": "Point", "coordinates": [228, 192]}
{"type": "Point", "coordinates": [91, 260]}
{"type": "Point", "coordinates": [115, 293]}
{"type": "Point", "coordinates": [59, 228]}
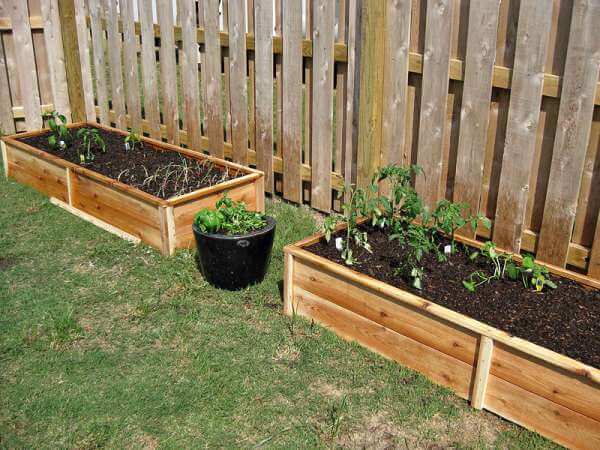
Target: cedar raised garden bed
{"type": "Point", "coordinates": [163, 223]}
{"type": "Point", "coordinates": [552, 394]}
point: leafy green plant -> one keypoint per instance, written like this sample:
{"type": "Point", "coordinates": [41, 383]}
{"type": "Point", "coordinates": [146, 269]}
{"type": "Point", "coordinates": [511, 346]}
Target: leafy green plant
{"type": "Point", "coordinates": [448, 217]}
{"type": "Point", "coordinates": [89, 137]}
{"type": "Point", "coordinates": [60, 136]}
{"type": "Point", "coordinates": [229, 217]}
{"type": "Point", "coordinates": [529, 272]}
{"type": "Point", "coordinates": [352, 211]}
{"type": "Point", "coordinates": [133, 140]}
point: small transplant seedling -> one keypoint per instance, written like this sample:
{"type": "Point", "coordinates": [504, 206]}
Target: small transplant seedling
{"type": "Point", "coordinates": [60, 136]}
{"type": "Point", "coordinates": [352, 211]}
{"type": "Point", "coordinates": [132, 141]}
{"type": "Point", "coordinates": [89, 136]}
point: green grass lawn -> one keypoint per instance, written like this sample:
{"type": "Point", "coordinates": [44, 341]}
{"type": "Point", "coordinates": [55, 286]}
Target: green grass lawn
{"type": "Point", "coordinates": [107, 344]}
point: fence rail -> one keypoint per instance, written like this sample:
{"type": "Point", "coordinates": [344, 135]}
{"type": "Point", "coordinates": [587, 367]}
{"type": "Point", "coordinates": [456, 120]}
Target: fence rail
{"type": "Point", "coordinates": [498, 101]}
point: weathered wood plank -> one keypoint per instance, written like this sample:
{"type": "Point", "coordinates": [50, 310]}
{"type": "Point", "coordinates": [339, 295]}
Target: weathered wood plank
{"type": "Point", "coordinates": [436, 65]}
{"type": "Point", "coordinates": [56, 58]}
{"type": "Point", "coordinates": [79, 75]}
{"type": "Point", "coordinates": [263, 89]}
{"type": "Point", "coordinates": [292, 100]}
{"type": "Point", "coordinates": [238, 81]}
{"type": "Point", "coordinates": [522, 123]}
{"type": "Point", "coordinates": [168, 68]}
{"type": "Point", "coordinates": [322, 109]}
{"type": "Point", "coordinates": [212, 77]}
{"type": "Point", "coordinates": [189, 72]}
{"type": "Point", "coordinates": [484, 361]}
{"type": "Point", "coordinates": [594, 265]}
{"type": "Point", "coordinates": [28, 78]}
{"type": "Point", "coordinates": [7, 123]}
{"type": "Point", "coordinates": [395, 81]}
{"type": "Point", "coordinates": [572, 134]}
{"type": "Point", "coordinates": [99, 59]}
{"type": "Point", "coordinates": [132, 82]}
{"type": "Point", "coordinates": [372, 51]}
{"type": "Point", "coordinates": [476, 99]}
{"type": "Point", "coordinates": [251, 81]}
{"type": "Point", "coordinates": [116, 68]}
{"type": "Point", "coordinates": [352, 93]}
{"type": "Point", "coordinates": [340, 92]}
{"type": "Point", "coordinates": [151, 111]}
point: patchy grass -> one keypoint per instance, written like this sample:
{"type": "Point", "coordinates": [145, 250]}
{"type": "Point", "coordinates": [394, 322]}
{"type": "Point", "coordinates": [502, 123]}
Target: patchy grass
{"type": "Point", "coordinates": [107, 344]}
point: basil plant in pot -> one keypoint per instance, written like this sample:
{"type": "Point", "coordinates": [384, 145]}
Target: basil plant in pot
{"type": "Point", "coordinates": [234, 244]}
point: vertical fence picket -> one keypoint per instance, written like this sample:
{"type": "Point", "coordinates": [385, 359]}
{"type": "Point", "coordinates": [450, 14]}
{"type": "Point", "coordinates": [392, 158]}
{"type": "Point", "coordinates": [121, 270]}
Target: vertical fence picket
{"type": "Point", "coordinates": [28, 80]}
{"type": "Point", "coordinates": [116, 68]}
{"type": "Point", "coordinates": [251, 82]}
{"type": "Point", "coordinates": [436, 65]}
{"type": "Point", "coordinates": [572, 133]}
{"type": "Point", "coordinates": [7, 123]}
{"type": "Point", "coordinates": [594, 264]}
{"type": "Point", "coordinates": [225, 53]}
{"type": "Point", "coordinates": [132, 82]}
{"type": "Point", "coordinates": [99, 60]}
{"type": "Point", "coordinates": [150, 82]}
{"type": "Point", "coordinates": [168, 66]}
{"type": "Point", "coordinates": [292, 100]}
{"type": "Point", "coordinates": [395, 81]}
{"type": "Point", "coordinates": [189, 69]}
{"type": "Point", "coordinates": [212, 78]}
{"type": "Point", "coordinates": [523, 115]}
{"type": "Point", "coordinates": [56, 59]}
{"type": "Point", "coordinates": [263, 89]}
{"type": "Point", "coordinates": [278, 120]}
{"type": "Point", "coordinates": [475, 111]}
{"type": "Point", "coordinates": [238, 82]}
{"type": "Point", "coordinates": [340, 93]}
{"type": "Point", "coordinates": [308, 93]}
{"type": "Point", "coordinates": [84, 59]}
{"type": "Point", "coordinates": [322, 111]}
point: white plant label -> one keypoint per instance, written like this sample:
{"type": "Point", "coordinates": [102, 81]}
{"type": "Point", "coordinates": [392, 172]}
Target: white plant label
{"type": "Point", "coordinates": [126, 145]}
{"type": "Point", "coordinates": [339, 242]}
{"type": "Point", "coordinates": [447, 249]}
{"type": "Point", "coordinates": [62, 144]}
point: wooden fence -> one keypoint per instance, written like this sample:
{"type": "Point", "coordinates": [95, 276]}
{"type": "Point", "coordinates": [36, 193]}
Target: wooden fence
{"type": "Point", "coordinates": [498, 101]}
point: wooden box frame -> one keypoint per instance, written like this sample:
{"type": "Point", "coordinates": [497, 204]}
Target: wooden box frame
{"type": "Point", "coordinates": [525, 383]}
{"type": "Point", "coordinates": [118, 207]}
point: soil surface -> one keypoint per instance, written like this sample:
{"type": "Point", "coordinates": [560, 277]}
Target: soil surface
{"type": "Point", "coordinates": [565, 319]}
{"type": "Point", "coordinates": [151, 169]}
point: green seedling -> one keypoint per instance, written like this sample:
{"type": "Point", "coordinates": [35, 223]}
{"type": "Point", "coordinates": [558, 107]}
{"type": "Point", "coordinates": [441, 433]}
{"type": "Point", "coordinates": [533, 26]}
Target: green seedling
{"type": "Point", "coordinates": [132, 141]}
{"type": "Point", "coordinates": [89, 137]}
{"type": "Point", "coordinates": [60, 136]}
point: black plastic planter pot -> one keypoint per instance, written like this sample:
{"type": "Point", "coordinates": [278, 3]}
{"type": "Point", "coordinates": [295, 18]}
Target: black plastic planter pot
{"type": "Point", "coordinates": [234, 262]}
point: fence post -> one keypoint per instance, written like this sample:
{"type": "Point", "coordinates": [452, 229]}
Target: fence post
{"type": "Point", "coordinates": [370, 107]}
{"type": "Point", "coordinates": [66, 9]}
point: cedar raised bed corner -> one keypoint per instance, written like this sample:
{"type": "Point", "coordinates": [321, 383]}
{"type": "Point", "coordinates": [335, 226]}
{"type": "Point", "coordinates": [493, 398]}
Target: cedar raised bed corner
{"type": "Point", "coordinates": [525, 383]}
{"type": "Point", "coordinates": [163, 223]}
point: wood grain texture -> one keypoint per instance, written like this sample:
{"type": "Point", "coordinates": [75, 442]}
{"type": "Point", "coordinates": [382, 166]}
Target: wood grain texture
{"type": "Point", "coordinates": [263, 90]}
{"type": "Point", "coordinates": [484, 361]}
{"type": "Point", "coordinates": [436, 65]}
{"type": "Point", "coordinates": [340, 92]}
{"type": "Point", "coordinates": [352, 93]}
{"type": "Point", "coordinates": [397, 43]}
{"type": "Point", "coordinates": [27, 78]}
{"type": "Point", "coordinates": [522, 123]}
{"type": "Point", "coordinates": [476, 99]}
{"type": "Point", "coordinates": [238, 83]}
{"type": "Point", "coordinates": [372, 54]}
{"type": "Point", "coordinates": [572, 133]}
{"type": "Point", "coordinates": [292, 100]}
{"type": "Point", "coordinates": [212, 78]}
{"type": "Point", "coordinates": [189, 74]}
{"type": "Point", "coordinates": [149, 76]}
{"type": "Point", "coordinates": [56, 58]}
{"type": "Point", "coordinates": [7, 123]}
{"type": "Point", "coordinates": [168, 70]}
{"type": "Point", "coordinates": [322, 103]}
{"type": "Point", "coordinates": [79, 75]}
{"type": "Point", "coordinates": [132, 82]}
{"type": "Point", "coordinates": [594, 267]}
{"type": "Point", "coordinates": [98, 49]}
{"type": "Point", "coordinates": [116, 68]}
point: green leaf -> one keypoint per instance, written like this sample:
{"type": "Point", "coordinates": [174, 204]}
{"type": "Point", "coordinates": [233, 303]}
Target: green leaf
{"type": "Point", "coordinates": [550, 284]}
{"type": "Point", "coordinates": [469, 285]}
{"type": "Point", "coordinates": [528, 262]}
{"type": "Point", "coordinates": [512, 271]}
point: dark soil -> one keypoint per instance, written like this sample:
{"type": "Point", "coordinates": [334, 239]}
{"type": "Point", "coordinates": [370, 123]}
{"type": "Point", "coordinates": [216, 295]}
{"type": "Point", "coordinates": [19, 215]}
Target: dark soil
{"type": "Point", "coordinates": [151, 169]}
{"type": "Point", "coordinates": [565, 320]}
